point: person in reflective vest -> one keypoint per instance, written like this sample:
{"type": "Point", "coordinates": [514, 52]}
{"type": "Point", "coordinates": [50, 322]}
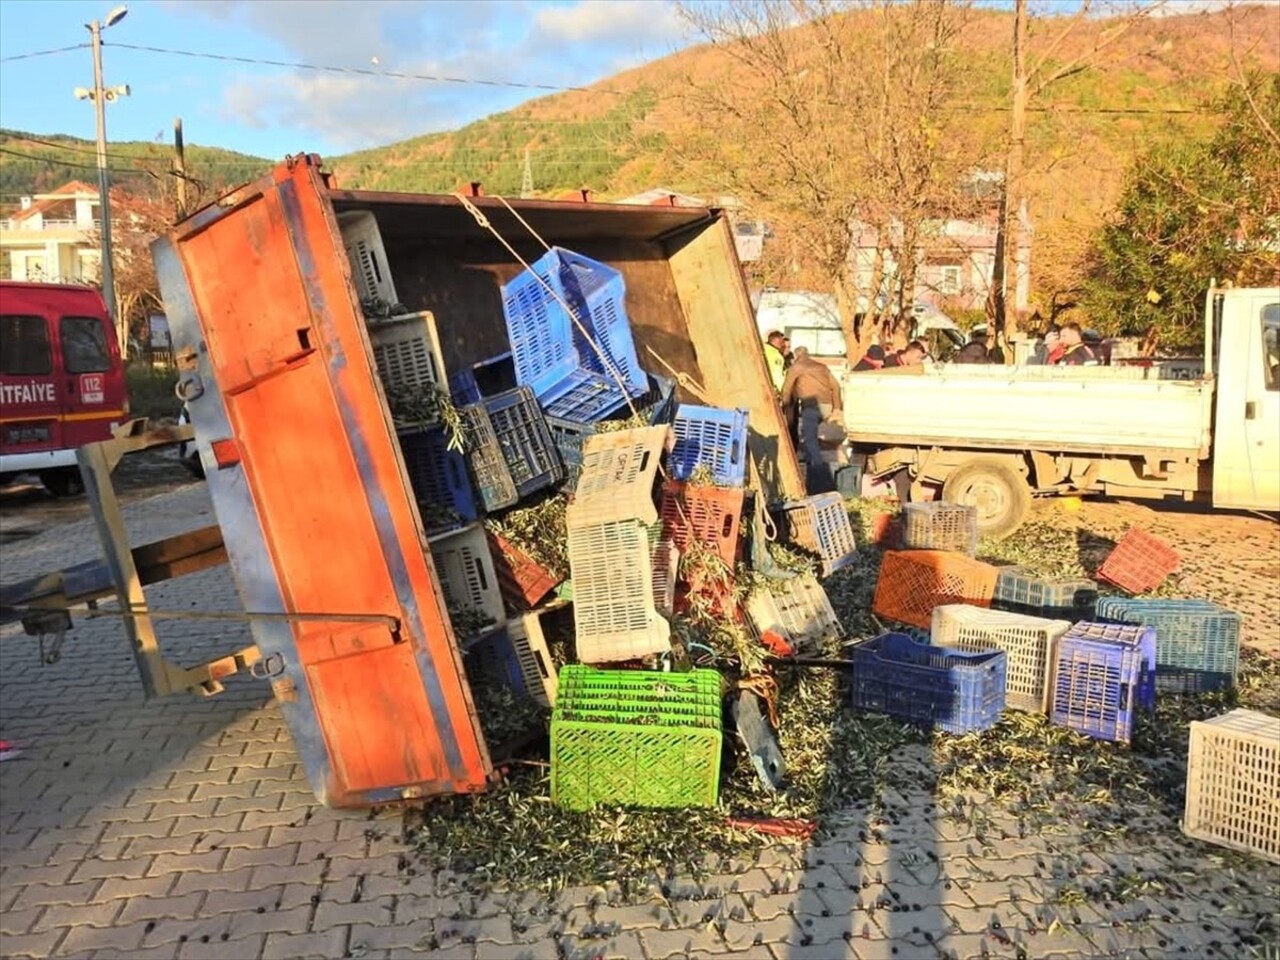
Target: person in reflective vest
{"type": "Point", "coordinates": [775, 356]}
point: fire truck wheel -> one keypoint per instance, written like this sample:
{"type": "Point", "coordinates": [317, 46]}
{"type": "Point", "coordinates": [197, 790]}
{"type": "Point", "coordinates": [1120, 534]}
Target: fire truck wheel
{"type": "Point", "coordinates": [63, 483]}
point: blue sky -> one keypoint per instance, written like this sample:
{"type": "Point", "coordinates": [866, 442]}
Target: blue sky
{"type": "Point", "coordinates": [271, 111]}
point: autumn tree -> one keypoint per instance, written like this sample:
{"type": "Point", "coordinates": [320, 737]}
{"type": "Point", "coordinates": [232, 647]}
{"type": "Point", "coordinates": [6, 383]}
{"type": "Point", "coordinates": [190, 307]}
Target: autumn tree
{"type": "Point", "coordinates": [1190, 212]}
{"type": "Point", "coordinates": [825, 117]}
{"type": "Point", "coordinates": [1031, 78]}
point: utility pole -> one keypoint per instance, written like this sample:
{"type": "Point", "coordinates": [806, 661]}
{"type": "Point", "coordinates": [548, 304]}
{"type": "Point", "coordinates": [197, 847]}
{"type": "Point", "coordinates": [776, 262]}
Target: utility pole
{"type": "Point", "coordinates": [526, 182]}
{"type": "Point", "coordinates": [100, 95]}
{"type": "Point", "coordinates": [1006, 266]}
{"type": "Point", "coordinates": [179, 172]}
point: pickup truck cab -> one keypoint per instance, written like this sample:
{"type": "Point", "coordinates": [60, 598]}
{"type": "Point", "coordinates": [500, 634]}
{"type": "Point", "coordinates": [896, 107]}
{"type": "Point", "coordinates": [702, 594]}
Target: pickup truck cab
{"type": "Point", "coordinates": [62, 381]}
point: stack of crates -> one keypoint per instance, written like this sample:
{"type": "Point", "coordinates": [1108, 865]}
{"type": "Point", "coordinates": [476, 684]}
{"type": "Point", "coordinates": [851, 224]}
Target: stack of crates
{"type": "Point", "coordinates": [610, 548]}
{"type": "Point", "coordinates": [931, 687]}
{"type": "Point", "coordinates": [708, 444]}
{"type": "Point", "coordinates": [941, 526]}
{"type": "Point", "coordinates": [559, 355]}
{"type": "Point", "coordinates": [1030, 643]}
{"type": "Point", "coordinates": [1233, 782]}
{"type": "Point", "coordinates": [1018, 590]}
{"type": "Point", "coordinates": [913, 582]}
{"type": "Point", "coordinates": [635, 738]}
{"type": "Point", "coordinates": [1140, 562]}
{"type": "Point", "coordinates": [1197, 642]}
{"type": "Point", "coordinates": [820, 524]}
{"type": "Point", "coordinates": [1102, 673]}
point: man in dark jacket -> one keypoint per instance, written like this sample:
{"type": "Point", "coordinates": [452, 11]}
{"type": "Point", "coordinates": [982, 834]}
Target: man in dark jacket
{"type": "Point", "coordinates": [875, 358]}
{"type": "Point", "coordinates": [1075, 352]}
{"type": "Point", "coordinates": [812, 387]}
{"type": "Point", "coordinates": [975, 351]}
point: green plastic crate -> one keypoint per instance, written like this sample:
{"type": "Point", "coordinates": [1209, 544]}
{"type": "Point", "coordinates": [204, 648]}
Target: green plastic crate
{"type": "Point", "coordinates": [635, 738]}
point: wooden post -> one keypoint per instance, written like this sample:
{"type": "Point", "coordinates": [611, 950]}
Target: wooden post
{"type": "Point", "coordinates": [179, 172]}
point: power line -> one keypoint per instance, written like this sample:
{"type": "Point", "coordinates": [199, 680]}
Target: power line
{"type": "Point", "coordinates": [54, 161]}
{"type": "Point", "coordinates": [43, 53]}
{"type": "Point", "coordinates": [361, 71]}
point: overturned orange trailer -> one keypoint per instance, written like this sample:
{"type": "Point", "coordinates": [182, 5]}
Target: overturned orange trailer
{"type": "Point", "coordinates": [307, 477]}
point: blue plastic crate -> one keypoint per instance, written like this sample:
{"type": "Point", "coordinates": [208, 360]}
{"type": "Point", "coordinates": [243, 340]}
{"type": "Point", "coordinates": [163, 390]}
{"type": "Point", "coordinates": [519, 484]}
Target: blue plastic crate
{"type": "Point", "coordinates": [438, 475]}
{"type": "Point", "coordinates": [602, 290]}
{"type": "Point", "coordinates": [932, 687]}
{"type": "Point", "coordinates": [1098, 672]}
{"type": "Point", "coordinates": [657, 406]}
{"type": "Point", "coordinates": [525, 440]}
{"type": "Point", "coordinates": [1139, 637]}
{"type": "Point", "coordinates": [551, 353]}
{"type": "Point", "coordinates": [583, 397]}
{"type": "Point", "coordinates": [711, 437]}
{"type": "Point", "coordinates": [1197, 642]}
{"type": "Point", "coordinates": [463, 388]}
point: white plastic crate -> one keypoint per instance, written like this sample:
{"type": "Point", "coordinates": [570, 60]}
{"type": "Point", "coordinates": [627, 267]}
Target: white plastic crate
{"type": "Point", "coordinates": [797, 609]}
{"type": "Point", "coordinates": [465, 570]}
{"type": "Point", "coordinates": [368, 256]}
{"type": "Point", "coordinates": [615, 617]}
{"type": "Point", "coordinates": [619, 470]}
{"type": "Point", "coordinates": [407, 352]}
{"type": "Point", "coordinates": [1233, 783]}
{"type": "Point", "coordinates": [534, 658]}
{"type": "Point", "coordinates": [1029, 644]}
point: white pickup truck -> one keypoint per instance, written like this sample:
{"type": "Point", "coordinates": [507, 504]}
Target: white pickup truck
{"type": "Point", "coordinates": [994, 436]}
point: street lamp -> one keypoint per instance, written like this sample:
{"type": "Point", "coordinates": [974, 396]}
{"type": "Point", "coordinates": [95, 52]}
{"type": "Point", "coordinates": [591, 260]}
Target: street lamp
{"type": "Point", "coordinates": [100, 96]}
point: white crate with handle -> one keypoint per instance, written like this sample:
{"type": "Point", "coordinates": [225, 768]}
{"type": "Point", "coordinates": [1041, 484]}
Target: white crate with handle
{"type": "Point", "coordinates": [1233, 783]}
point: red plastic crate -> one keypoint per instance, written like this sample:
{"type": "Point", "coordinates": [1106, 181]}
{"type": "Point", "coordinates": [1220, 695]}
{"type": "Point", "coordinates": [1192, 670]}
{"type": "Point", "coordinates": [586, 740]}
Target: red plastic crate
{"type": "Point", "coordinates": [913, 582]}
{"type": "Point", "coordinates": [711, 515]}
{"type": "Point", "coordinates": [886, 531]}
{"type": "Point", "coordinates": [1140, 562]}
{"type": "Point", "coordinates": [522, 581]}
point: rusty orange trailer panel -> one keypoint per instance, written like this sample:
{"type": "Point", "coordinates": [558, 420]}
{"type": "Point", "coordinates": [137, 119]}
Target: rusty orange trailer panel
{"type": "Point", "coordinates": [311, 493]}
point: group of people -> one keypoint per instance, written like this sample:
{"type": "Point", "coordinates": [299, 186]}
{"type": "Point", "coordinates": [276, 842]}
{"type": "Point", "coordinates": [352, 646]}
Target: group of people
{"type": "Point", "coordinates": [811, 397]}
{"type": "Point", "coordinates": [1061, 346]}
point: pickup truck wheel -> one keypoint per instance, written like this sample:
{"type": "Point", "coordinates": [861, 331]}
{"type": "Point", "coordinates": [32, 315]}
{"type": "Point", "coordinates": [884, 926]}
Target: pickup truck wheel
{"type": "Point", "coordinates": [65, 482]}
{"type": "Point", "coordinates": [1002, 497]}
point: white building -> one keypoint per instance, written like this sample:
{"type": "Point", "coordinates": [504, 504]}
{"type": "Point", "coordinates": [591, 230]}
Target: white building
{"type": "Point", "coordinates": [51, 238]}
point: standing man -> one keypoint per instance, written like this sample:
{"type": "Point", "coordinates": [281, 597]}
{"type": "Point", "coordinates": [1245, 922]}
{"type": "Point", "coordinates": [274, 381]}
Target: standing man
{"type": "Point", "coordinates": [1075, 352]}
{"type": "Point", "coordinates": [775, 356]}
{"type": "Point", "coordinates": [811, 386]}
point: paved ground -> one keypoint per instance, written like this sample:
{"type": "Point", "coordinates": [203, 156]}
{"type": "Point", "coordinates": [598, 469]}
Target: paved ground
{"type": "Point", "coordinates": [185, 828]}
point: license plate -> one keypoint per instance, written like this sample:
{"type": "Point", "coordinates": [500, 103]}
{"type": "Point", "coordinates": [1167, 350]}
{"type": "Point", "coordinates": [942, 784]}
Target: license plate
{"type": "Point", "coordinates": [26, 434]}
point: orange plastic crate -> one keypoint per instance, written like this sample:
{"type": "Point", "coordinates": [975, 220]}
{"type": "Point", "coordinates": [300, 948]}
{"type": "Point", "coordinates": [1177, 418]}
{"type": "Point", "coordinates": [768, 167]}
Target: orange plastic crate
{"type": "Point", "coordinates": [913, 582]}
{"type": "Point", "coordinates": [522, 581]}
{"type": "Point", "coordinates": [1140, 562]}
{"type": "Point", "coordinates": [710, 515]}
